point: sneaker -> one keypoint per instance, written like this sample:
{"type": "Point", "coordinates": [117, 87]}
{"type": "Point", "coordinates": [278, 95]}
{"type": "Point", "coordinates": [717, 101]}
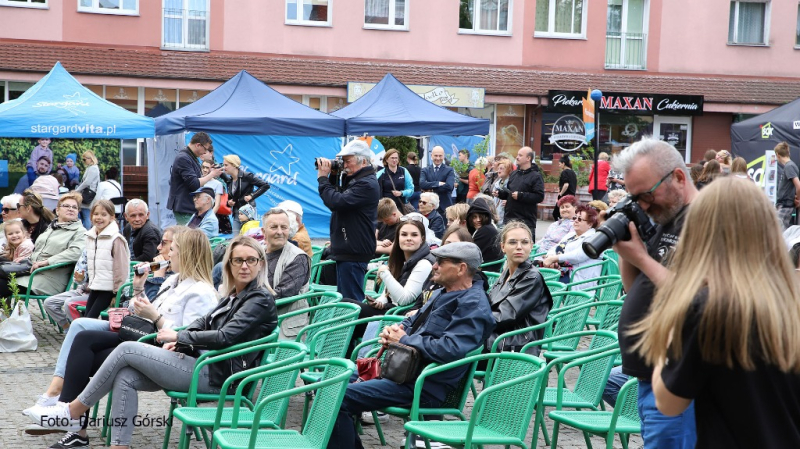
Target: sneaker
{"type": "Point", "coordinates": [434, 444]}
{"type": "Point", "coordinates": [55, 417]}
{"type": "Point", "coordinates": [366, 417]}
{"type": "Point", "coordinates": [70, 440]}
{"type": "Point", "coordinates": [44, 401]}
{"type": "Point", "coordinates": [36, 429]}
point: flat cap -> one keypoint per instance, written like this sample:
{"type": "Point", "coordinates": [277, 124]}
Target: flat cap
{"type": "Point", "coordinates": [466, 252]}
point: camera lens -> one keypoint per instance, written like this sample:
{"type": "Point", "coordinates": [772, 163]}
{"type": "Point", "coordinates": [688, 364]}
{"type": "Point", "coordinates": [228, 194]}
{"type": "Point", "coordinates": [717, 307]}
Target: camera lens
{"type": "Point", "coordinates": [614, 229]}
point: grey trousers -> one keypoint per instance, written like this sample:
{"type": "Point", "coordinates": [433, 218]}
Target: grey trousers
{"type": "Point", "coordinates": [133, 367]}
{"type": "Point", "coordinates": [57, 306]}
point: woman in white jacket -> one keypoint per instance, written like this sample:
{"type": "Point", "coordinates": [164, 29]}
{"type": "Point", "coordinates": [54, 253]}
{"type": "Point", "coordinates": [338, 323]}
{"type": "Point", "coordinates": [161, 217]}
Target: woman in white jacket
{"type": "Point", "coordinates": [568, 254]}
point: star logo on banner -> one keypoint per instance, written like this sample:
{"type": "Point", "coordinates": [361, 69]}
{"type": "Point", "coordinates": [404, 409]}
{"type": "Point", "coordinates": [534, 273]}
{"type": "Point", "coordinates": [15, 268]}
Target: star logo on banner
{"type": "Point", "coordinates": [72, 102]}
{"type": "Point", "coordinates": [283, 155]}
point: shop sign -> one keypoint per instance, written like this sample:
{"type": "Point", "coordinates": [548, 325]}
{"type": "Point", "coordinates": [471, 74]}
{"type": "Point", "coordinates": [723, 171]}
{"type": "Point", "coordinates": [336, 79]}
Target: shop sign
{"type": "Point", "coordinates": [628, 103]}
{"type": "Point", "coordinates": [569, 133]}
{"type": "Point", "coordinates": [447, 96]}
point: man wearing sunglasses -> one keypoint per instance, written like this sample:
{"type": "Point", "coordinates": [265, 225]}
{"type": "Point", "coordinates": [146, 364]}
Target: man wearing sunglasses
{"type": "Point", "coordinates": [657, 178]}
{"type": "Point", "coordinates": [187, 176]}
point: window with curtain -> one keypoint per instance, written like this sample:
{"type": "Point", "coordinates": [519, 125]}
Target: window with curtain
{"type": "Point", "coordinates": [308, 12]}
{"type": "Point", "coordinates": [485, 16]}
{"type": "Point", "coordinates": [386, 14]}
{"type": "Point", "coordinates": [186, 24]}
{"type": "Point", "coordinates": [121, 7]}
{"type": "Point", "coordinates": [748, 22]}
{"type": "Point", "coordinates": [560, 18]}
{"type": "Point", "coordinates": [626, 38]}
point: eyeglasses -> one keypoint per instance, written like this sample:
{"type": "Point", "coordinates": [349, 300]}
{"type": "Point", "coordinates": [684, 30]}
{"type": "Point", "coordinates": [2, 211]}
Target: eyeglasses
{"type": "Point", "coordinates": [406, 218]}
{"type": "Point", "coordinates": [441, 260]}
{"type": "Point", "coordinates": [68, 206]}
{"type": "Point", "coordinates": [250, 261]}
{"type": "Point", "coordinates": [7, 210]}
{"type": "Point", "coordinates": [20, 205]}
{"type": "Point", "coordinates": [647, 197]}
{"type": "Point", "coordinates": [578, 219]}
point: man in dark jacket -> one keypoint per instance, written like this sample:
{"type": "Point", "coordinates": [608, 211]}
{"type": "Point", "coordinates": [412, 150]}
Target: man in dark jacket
{"type": "Point", "coordinates": [438, 178]}
{"type": "Point", "coordinates": [526, 188]}
{"type": "Point", "coordinates": [141, 234]}
{"type": "Point", "coordinates": [186, 176]}
{"type": "Point", "coordinates": [354, 212]}
{"type": "Point", "coordinates": [456, 319]}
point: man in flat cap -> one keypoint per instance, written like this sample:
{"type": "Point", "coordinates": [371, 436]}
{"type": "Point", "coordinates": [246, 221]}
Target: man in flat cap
{"type": "Point", "coordinates": [203, 220]}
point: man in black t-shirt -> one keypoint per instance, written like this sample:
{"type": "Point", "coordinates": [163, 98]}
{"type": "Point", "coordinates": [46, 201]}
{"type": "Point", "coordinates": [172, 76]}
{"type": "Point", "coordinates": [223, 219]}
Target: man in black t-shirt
{"type": "Point", "coordinates": [657, 177]}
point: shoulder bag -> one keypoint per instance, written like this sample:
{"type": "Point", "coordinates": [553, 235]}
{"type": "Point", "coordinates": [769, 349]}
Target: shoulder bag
{"type": "Point", "coordinates": [133, 327]}
{"type": "Point", "coordinates": [399, 201]}
{"type": "Point", "coordinates": [115, 316]}
{"type": "Point", "coordinates": [224, 209]}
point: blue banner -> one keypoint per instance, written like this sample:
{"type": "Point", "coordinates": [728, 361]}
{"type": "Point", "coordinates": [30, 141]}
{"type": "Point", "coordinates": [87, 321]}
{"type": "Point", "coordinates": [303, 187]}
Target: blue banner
{"type": "Point", "coordinates": [452, 144]}
{"type": "Point", "coordinates": [287, 164]}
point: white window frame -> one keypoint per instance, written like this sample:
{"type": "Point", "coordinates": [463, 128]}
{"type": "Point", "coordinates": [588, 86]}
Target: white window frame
{"type": "Point", "coordinates": [310, 23]}
{"type": "Point", "coordinates": [96, 9]}
{"type": "Point", "coordinates": [551, 23]}
{"type": "Point", "coordinates": [475, 21]}
{"type": "Point", "coordinates": [185, 28]}
{"type": "Point", "coordinates": [624, 30]}
{"type": "Point", "coordinates": [392, 17]}
{"type": "Point", "coordinates": [25, 4]}
{"type": "Point", "coordinates": [765, 37]}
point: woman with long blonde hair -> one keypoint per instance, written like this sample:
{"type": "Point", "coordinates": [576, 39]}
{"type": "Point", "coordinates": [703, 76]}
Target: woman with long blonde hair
{"type": "Point", "coordinates": [723, 331]}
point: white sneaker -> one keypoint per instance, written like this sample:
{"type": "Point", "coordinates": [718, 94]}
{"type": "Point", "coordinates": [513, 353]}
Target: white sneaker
{"type": "Point", "coordinates": [43, 401]}
{"type": "Point", "coordinates": [434, 444]}
{"type": "Point", "coordinates": [54, 417]}
{"type": "Point", "coordinates": [366, 417]}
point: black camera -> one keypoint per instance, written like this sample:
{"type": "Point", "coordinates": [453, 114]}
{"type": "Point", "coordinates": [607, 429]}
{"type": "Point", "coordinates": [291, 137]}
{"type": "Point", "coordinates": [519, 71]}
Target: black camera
{"type": "Point", "coordinates": [615, 227]}
{"type": "Point", "coordinates": [503, 193]}
{"type": "Point", "coordinates": [336, 164]}
{"type": "Point", "coordinates": [218, 166]}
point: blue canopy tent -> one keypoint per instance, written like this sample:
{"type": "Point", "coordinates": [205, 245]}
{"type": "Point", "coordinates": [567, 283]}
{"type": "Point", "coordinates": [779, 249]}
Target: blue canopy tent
{"type": "Point", "coordinates": [276, 138]}
{"type": "Point", "coordinates": [59, 106]}
{"type": "Point", "coordinates": [245, 105]}
{"type": "Point", "coordinates": [392, 109]}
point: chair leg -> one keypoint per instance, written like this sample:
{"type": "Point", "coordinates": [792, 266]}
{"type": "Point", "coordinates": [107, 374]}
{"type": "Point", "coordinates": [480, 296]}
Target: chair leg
{"type": "Point", "coordinates": [588, 439]}
{"type": "Point", "coordinates": [554, 440]}
{"type": "Point", "coordinates": [308, 396]}
{"type": "Point", "coordinates": [41, 306]}
{"type": "Point", "coordinates": [544, 429]}
{"type": "Point", "coordinates": [473, 390]}
{"type": "Point", "coordinates": [173, 404]}
{"type": "Point", "coordinates": [378, 428]}
{"type": "Point", "coordinates": [106, 432]}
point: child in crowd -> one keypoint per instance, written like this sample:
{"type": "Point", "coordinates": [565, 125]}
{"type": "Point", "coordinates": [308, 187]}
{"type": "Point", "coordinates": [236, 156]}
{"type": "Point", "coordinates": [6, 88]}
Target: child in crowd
{"type": "Point", "coordinates": [108, 256]}
{"type": "Point", "coordinates": [18, 244]}
{"type": "Point", "coordinates": [251, 227]}
{"type": "Point", "coordinates": [72, 171]}
{"type": "Point", "coordinates": [41, 150]}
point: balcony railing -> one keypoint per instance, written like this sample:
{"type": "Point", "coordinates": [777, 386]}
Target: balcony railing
{"type": "Point", "coordinates": [626, 51]}
{"type": "Point", "coordinates": [185, 29]}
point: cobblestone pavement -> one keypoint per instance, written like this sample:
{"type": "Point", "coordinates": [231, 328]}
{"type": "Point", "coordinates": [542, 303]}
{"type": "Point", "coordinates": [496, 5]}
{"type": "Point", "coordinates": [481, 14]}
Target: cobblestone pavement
{"type": "Point", "coordinates": [23, 376]}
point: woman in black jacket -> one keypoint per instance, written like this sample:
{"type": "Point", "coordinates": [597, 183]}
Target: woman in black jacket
{"type": "Point", "coordinates": [520, 297]}
{"type": "Point", "coordinates": [245, 313]}
{"type": "Point", "coordinates": [240, 188]}
{"type": "Point", "coordinates": [480, 217]}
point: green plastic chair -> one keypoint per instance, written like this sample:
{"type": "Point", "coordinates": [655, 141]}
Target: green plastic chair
{"type": "Point", "coordinates": [623, 420]}
{"type": "Point", "coordinates": [453, 404]}
{"type": "Point", "coordinates": [492, 276]}
{"type": "Point", "coordinates": [555, 286]}
{"type": "Point", "coordinates": [372, 275]}
{"type": "Point", "coordinates": [204, 418]}
{"type": "Point", "coordinates": [609, 323]}
{"type": "Point", "coordinates": [611, 254]}
{"type": "Point", "coordinates": [316, 272]}
{"type": "Point", "coordinates": [600, 263]}
{"type": "Point", "coordinates": [28, 295]}
{"type": "Point", "coordinates": [313, 298]}
{"type": "Point", "coordinates": [550, 274]}
{"type": "Point", "coordinates": [501, 412]}
{"type": "Point", "coordinates": [317, 430]}
{"type": "Point", "coordinates": [607, 288]}
{"type": "Point", "coordinates": [495, 266]}
{"type": "Point", "coordinates": [565, 299]}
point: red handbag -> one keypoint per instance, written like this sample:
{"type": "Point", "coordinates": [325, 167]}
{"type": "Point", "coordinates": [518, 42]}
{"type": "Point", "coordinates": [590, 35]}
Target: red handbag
{"type": "Point", "coordinates": [115, 317]}
{"type": "Point", "coordinates": [370, 367]}
{"type": "Point", "coordinates": [224, 209]}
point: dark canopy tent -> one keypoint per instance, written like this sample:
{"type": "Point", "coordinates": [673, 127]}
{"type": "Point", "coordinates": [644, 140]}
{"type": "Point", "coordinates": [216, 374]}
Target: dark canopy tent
{"type": "Point", "coordinates": [392, 109]}
{"type": "Point", "coordinates": [245, 105]}
{"type": "Point", "coordinates": [752, 137]}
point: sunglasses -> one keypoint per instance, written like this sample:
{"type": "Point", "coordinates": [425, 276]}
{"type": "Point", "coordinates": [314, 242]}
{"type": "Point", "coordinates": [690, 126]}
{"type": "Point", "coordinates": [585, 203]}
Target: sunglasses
{"type": "Point", "coordinates": [7, 210]}
{"type": "Point", "coordinates": [424, 203]}
{"type": "Point", "coordinates": [19, 205]}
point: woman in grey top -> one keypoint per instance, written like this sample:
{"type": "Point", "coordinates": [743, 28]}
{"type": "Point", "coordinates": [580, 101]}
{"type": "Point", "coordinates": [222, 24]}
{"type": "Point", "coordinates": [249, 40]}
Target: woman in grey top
{"type": "Point", "coordinates": [90, 181]}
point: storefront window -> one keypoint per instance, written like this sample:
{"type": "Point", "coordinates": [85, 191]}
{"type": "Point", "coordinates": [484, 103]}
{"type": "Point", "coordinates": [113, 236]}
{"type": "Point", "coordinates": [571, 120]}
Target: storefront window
{"type": "Point", "coordinates": [15, 89]}
{"type": "Point", "coordinates": [336, 103]}
{"type": "Point", "coordinates": [124, 96]}
{"type": "Point", "coordinates": [617, 132]}
{"type": "Point", "coordinates": [158, 102]}
{"type": "Point", "coordinates": [189, 96]}
{"type": "Point", "coordinates": [510, 128]}
{"type": "Point", "coordinates": [561, 134]}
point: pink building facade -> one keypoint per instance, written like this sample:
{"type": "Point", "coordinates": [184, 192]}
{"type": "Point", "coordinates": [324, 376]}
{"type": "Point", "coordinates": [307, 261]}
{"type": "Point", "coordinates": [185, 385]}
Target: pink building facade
{"type": "Point", "coordinates": [718, 60]}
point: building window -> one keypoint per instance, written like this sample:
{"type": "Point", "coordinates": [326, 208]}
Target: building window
{"type": "Point", "coordinates": [386, 14]}
{"type": "Point", "coordinates": [561, 18]}
{"type": "Point", "coordinates": [308, 12]}
{"type": "Point", "coordinates": [748, 23]}
{"type": "Point", "coordinates": [120, 7]}
{"type": "Point", "coordinates": [485, 17]}
{"type": "Point", "coordinates": [186, 24]}
{"type": "Point", "coordinates": [626, 38]}
{"type": "Point", "coordinates": [42, 4]}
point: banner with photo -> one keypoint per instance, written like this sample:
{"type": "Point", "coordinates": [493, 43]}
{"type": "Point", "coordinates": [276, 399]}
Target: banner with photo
{"type": "Point", "coordinates": [50, 156]}
{"type": "Point", "coordinates": [452, 144]}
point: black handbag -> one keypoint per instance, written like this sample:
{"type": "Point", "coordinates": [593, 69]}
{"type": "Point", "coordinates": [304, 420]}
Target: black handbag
{"type": "Point", "coordinates": [20, 269]}
{"type": "Point", "coordinates": [134, 327]}
{"type": "Point", "coordinates": [401, 363]}
{"type": "Point", "coordinates": [88, 195]}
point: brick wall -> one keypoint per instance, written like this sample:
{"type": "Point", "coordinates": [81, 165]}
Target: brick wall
{"type": "Point", "coordinates": [710, 131]}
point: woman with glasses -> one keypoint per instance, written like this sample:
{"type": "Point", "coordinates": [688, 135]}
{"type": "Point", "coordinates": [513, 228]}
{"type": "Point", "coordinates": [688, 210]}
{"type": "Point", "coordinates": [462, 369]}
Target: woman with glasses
{"type": "Point", "coordinates": [88, 186]}
{"type": "Point", "coordinates": [36, 217]}
{"type": "Point", "coordinates": [558, 229]}
{"type": "Point", "coordinates": [245, 313]}
{"type": "Point", "coordinates": [62, 241]}
{"type": "Point", "coordinates": [568, 254]}
{"type": "Point", "coordinates": [520, 297]}
{"type": "Point", "coordinates": [243, 188]}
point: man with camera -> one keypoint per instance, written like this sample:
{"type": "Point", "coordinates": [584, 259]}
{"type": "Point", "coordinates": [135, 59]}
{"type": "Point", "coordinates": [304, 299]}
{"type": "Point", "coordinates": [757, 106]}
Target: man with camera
{"type": "Point", "coordinates": [659, 184]}
{"type": "Point", "coordinates": [525, 190]}
{"type": "Point", "coordinates": [354, 209]}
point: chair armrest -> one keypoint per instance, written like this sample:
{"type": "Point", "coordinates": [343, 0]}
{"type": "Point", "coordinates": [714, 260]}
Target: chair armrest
{"type": "Point", "coordinates": [547, 326]}
{"type": "Point", "coordinates": [288, 300]}
{"type": "Point", "coordinates": [42, 269]}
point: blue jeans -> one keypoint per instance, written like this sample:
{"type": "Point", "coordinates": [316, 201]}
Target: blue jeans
{"type": "Point", "coordinates": [350, 279]}
{"type": "Point", "coordinates": [615, 381]}
{"type": "Point", "coordinates": [664, 432]}
{"type": "Point", "coordinates": [86, 217]}
{"type": "Point", "coordinates": [367, 396]}
{"type": "Point", "coordinates": [81, 324]}
{"type": "Point", "coordinates": [216, 275]}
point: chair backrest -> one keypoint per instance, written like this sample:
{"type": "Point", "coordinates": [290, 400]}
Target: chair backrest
{"type": "Point", "coordinates": [496, 265]}
{"type": "Point", "coordinates": [316, 254]}
{"type": "Point", "coordinates": [565, 299]}
{"type": "Point", "coordinates": [611, 268]}
{"type": "Point", "coordinates": [506, 403]}
{"type": "Point", "coordinates": [550, 274]}
{"type": "Point", "coordinates": [568, 321]}
{"type": "Point", "coordinates": [627, 400]}
{"type": "Point", "coordinates": [327, 339]}
{"type": "Point", "coordinates": [608, 315]}
{"type": "Point", "coordinates": [457, 397]}
{"type": "Point", "coordinates": [594, 373]}
{"type": "Point", "coordinates": [611, 254]}
{"type": "Point", "coordinates": [555, 286]}
{"type": "Point", "coordinates": [492, 276]}
{"type": "Point", "coordinates": [327, 401]}
{"type": "Point", "coordinates": [287, 352]}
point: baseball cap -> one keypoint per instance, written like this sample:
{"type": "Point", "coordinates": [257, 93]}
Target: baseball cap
{"type": "Point", "coordinates": [291, 206]}
{"type": "Point", "coordinates": [207, 190]}
{"type": "Point", "coordinates": [356, 148]}
{"type": "Point", "coordinates": [466, 252]}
